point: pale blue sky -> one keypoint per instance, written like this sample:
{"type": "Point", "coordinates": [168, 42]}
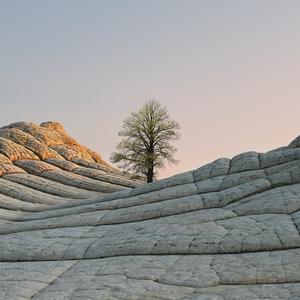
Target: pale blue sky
{"type": "Point", "coordinates": [228, 71]}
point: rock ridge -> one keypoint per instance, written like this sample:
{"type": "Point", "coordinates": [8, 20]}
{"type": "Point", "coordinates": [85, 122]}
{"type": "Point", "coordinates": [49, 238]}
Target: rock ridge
{"type": "Point", "coordinates": [73, 227]}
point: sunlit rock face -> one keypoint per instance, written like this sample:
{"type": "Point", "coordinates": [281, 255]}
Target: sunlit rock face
{"type": "Point", "coordinates": [72, 227]}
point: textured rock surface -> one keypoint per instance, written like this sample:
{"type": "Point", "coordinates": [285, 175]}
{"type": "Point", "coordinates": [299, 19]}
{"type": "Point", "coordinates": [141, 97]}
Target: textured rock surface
{"type": "Point", "coordinates": [72, 227]}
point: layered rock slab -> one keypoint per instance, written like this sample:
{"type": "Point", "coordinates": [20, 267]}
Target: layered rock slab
{"type": "Point", "coordinates": [42, 164]}
{"type": "Point", "coordinates": [228, 230]}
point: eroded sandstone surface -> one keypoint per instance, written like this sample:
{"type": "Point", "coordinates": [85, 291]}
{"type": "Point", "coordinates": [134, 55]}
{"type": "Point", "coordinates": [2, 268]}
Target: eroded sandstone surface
{"type": "Point", "coordinates": [73, 227]}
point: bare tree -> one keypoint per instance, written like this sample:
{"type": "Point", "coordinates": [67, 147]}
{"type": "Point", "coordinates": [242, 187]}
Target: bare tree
{"type": "Point", "coordinates": [147, 141]}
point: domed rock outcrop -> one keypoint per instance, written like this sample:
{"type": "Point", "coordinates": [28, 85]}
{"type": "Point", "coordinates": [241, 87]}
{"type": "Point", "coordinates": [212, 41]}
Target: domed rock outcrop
{"type": "Point", "coordinates": [72, 227]}
{"type": "Point", "coordinates": [42, 164]}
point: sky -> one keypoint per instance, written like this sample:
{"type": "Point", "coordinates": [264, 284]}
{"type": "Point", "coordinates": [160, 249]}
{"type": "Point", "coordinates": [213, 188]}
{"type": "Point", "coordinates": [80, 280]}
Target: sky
{"type": "Point", "coordinates": [227, 71]}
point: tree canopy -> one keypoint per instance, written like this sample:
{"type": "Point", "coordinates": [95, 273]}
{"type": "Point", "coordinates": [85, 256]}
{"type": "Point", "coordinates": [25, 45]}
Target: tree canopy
{"type": "Point", "coordinates": [147, 141]}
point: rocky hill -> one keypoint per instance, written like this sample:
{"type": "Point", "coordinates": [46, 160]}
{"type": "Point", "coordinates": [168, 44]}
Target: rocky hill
{"type": "Point", "coordinates": [73, 227]}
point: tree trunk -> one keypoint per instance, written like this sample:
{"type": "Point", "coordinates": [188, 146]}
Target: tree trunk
{"type": "Point", "coordinates": [150, 174]}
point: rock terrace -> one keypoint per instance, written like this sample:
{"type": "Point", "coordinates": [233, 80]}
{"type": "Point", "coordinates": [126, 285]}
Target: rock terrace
{"type": "Point", "coordinates": [73, 227]}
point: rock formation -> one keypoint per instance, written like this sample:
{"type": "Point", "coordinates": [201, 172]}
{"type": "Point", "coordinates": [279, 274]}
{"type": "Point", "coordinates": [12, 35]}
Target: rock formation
{"type": "Point", "coordinates": [73, 227]}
